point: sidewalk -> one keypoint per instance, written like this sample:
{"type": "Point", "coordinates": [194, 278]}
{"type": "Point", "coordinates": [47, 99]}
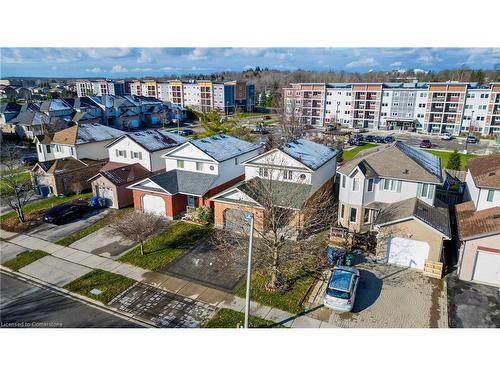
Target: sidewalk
{"type": "Point", "coordinates": [197, 292]}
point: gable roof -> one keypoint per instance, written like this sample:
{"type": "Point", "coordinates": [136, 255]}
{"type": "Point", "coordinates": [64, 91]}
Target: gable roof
{"type": "Point", "coordinates": [472, 223]}
{"type": "Point", "coordinates": [153, 139]}
{"type": "Point", "coordinates": [31, 118]}
{"type": "Point", "coordinates": [86, 133]}
{"type": "Point", "coordinates": [485, 171]}
{"type": "Point", "coordinates": [397, 160]}
{"type": "Point", "coordinates": [54, 105]}
{"type": "Point", "coordinates": [58, 166]}
{"type": "Point", "coordinates": [309, 153]}
{"type": "Point", "coordinates": [224, 147]}
{"type": "Point", "coordinates": [179, 181]}
{"type": "Point", "coordinates": [119, 174]}
{"type": "Point", "coordinates": [436, 217]}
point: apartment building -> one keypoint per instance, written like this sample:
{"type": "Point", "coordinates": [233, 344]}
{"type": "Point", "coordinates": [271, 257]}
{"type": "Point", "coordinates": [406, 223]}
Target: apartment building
{"type": "Point", "coordinates": [96, 87]}
{"type": "Point", "coordinates": [452, 107]}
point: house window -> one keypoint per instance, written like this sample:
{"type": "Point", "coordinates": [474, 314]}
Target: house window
{"type": "Point", "coordinates": [137, 155]}
{"type": "Point", "coordinates": [39, 148]}
{"type": "Point", "coordinates": [287, 174]}
{"type": "Point", "coordinates": [47, 148]}
{"type": "Point", "coordinates": [424, 191]}
{"type": "Point", "coordinates": [342, 209]}
{"type": "Point", "coordinates": [199, 166]}
{"type": "Point", "coordinates": [263, 172]}
{"type": "Point", "coordinates": [491, 194]}
{"type": "Point", "coordinates": [354, 213]}
{"type": "Point", "coordinates": [366, 216]}
{"type": "Point", "coordinates": [370, 184]}
{"type": "Point", "coordinates": [180, 163]}
{"type": "Point", "coordinates": [355, 184]}
{"type": "Point", "coordinates": [121, 153]}
{"type": "Point", "coordinates": [235, 161]}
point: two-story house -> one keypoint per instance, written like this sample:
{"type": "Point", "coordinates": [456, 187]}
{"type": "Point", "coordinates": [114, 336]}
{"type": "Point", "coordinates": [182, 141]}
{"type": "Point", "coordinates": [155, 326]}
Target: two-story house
{"type": "Point", "coordinates": [195, 171]}
{"type": "Point", "coordinates": [479, 222]}
{"type": "Point", "coordinates": [294, 173]}
{"type": "Point", "coordinates": [391, 189]}
{"type": "Point", "coordinates": [132, 157]}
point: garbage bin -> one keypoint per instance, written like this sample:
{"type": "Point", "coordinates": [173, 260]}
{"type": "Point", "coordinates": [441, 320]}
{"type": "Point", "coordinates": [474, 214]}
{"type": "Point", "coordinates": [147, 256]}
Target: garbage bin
{"type": "Point", "coordinates": [95, 203]}
{"type": "Point", "coordinates": [349, 260]}
{"type": "Point", "coordinates": [335, 256]}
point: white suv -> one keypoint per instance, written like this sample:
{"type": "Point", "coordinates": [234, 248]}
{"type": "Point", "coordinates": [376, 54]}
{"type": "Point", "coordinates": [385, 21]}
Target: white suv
{"type": "Point", "coordinates": [341, 290]}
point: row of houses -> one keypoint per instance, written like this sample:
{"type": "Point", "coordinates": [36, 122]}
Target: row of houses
{"type": "Point", "coordinates": [200, 95]}
{"type": "Point", "coordinates": [389, 190]}
{"type": "Point", "coordinates": [432, 107]}
{"type": "Point", "coordinates": [121, 112]}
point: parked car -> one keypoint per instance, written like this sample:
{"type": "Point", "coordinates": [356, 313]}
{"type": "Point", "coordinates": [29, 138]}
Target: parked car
{"type": "Point", "coordinates": [259, 129]}
{"type": "Point", "coordinates": [341, 289]}
{"type": "Point", "coordinates": [379, 139]}
{"type": "Point", "coordinates": [360, 130]}
{"type": "Point", "coordinates": [472, 139]}
{"type": "Point", "coordinates": [389, 139]}
{"type": "Point", "coordinates": [446, 137]}
{"type": "Point", "coordinates": [185, 132]}
{"type": "Point", "coordinates": [425, 143]}
{"type": "Point", "coordinates": [358, 137]}
{"type": "Point", "coordinates": [267, 117]}
{"type": "Point", "coordinates": [65, 212]}
{"type": "Point", "coordinates": [370, 138]}
{"type": "Point", "coordinates": [331, 128]}
{"type": "Point", "coordinates": [29, 159]}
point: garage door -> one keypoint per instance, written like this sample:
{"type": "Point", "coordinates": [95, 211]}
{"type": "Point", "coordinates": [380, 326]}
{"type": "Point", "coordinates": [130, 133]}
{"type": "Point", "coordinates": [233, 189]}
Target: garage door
{"type": "Point", "coordinates": [154, 204]}
{"type": "Point", "coordinates": [106, 194]}
{"type": "Point", "coordinates": [235, 220]}
{"type": "Point", "coordinates": [408, 253]}
{"type": "Point", "coordinates": [487, 268]}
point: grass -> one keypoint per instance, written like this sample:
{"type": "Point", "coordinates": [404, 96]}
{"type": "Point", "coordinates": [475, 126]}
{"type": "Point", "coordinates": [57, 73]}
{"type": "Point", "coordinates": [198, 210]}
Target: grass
{"type": "Point", "coordinates": [288, 299]}
{"type": "Point", "coordinates": [349, 154]}
{"type": "Point", "coordinates": [226, 318]}
{"type": "Point", "coordinates": [24, 258]}
{"type": "Point", "coordinates": [109, 219]}
{"type": "Point", "coordinates": [445, 156]}
{"type": "Point", "coordinates": [45, 203]}
{"type": "Point", "coordinates": [109, 283]}
{"type": "Point", "coordinates": [7, 190]}
{"type": "Point", "coordinates": [162, 248]}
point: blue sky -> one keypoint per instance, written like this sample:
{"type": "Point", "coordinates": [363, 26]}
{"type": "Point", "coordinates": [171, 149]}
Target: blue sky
{"type": "Point", "coordinates": [137, 62]}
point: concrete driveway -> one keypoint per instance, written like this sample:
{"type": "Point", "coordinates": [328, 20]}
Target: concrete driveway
{"type": "Point", "coordinates": [472, 305]}
{"type": "Point", "coordinates": [54, 270]}
{"type": "Point", "coordinates": [162, 308]}
{"type": "Point", "coordinates": [103, 242]}
{"type": "Point", "coordinates": [53, 233]}
{"type": "Point", "coordinates": [389, 296]}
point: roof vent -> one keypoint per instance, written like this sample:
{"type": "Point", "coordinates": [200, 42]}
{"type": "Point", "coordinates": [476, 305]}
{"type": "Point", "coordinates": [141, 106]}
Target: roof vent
{"type": "Point", "coordinates": [406, 171]}
{"type": "Point", "coordinates": [496, 216]}
{"type": "Point", "coordinates": [492, 173]}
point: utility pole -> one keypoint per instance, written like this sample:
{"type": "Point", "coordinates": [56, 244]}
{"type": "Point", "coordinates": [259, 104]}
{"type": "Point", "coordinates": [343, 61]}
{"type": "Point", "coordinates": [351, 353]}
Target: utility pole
{"type": "Point", "coordinates": [250, 218]}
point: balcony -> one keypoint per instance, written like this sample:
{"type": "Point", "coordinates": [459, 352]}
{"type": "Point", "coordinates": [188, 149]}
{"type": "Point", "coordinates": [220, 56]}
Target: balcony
{"type": "Point", "coordinates": [438, 98]}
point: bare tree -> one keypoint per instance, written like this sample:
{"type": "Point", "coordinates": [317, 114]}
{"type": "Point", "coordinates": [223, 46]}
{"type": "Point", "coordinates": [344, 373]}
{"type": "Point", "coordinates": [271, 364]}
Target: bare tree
{"type": "Point", "coordinates": [291, 121]}
{"type": "Point", "coordinates": [287, 215]}
{"type": "Point", "coordinates": [18, 191]}
{"type": "Point", "coordinates": [139, 226]}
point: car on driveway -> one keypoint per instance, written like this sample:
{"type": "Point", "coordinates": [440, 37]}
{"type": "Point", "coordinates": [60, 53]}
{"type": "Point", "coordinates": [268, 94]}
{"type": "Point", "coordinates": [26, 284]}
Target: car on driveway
{"type": "Point", "coordinates": [341, 289]}
{"type": "Point", "coordinates": [425, 143]}
{"type": "Point", "coordinates": [65, 212]}
{"type": "Point", "coordinates": [446, 137]}
{"type": "Point", "coordinates": [471, 139]}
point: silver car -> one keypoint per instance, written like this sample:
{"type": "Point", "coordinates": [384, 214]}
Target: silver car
{"type": "Point", "coordinates": [341, 290]}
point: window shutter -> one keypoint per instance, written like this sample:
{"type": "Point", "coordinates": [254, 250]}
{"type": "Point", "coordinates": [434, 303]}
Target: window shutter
{"type": "Point", "coordinates": [116, 152]}
{"type": "Point", "coordinates": [382, 183]}
{"type": "Point", "coordinates": [399, 186]}
{"type": "Point", "coordinates": [140, 155]}
{"type": "Point", "coordinates": [419, 190]}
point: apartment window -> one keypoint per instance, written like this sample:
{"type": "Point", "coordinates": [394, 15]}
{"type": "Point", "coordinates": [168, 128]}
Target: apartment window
{"type": "Point", "coordinates": [180, 164]}
{"type": "Point", "coordinates": [342, 209]}
{"type": "Point", "coordinates": [343, 181]}
{"type": "Point", "coordinates": [287, 174]}
{"type": "Point", "coordinates": [484, 96]}
{"type": "Point", "coordinates": [391, 185]}
{"type": "Point", "coordinates": [482, 107]}
{"type": "Point", "coordinates": [420, 115]}
{"type": "Point", "coordinates": [370, 184]}
{"type": "Point", "coordinates": [355, 184]}
{"type": "Point", "coordinates": [137, 155]}
{"type": "Point", "coordinates": [421, 105]}
{"type": "Point", "coordinates": [297, 93]}
{"type": "Point", "coordinates": [424, 191]}
{"type": "Point", "coordinates": [354, 214]}
{"type": "Point", "coordinates": [121, 153]}
{"type": "Point", "coordinates": [366, 216]}
{"type": "Point", "coordinates": [490, 195]}
{"type": "Point", "coordinates": [468, 106]}
{"type": "Point", "coordinates": [289, 93]}
{"type": "Point", "coordinates": [385, 104]}
{"type": "Point", "coordinates": [454, 94]}
{"type": "Point", "coordinates": [471, 95]}
{"type": "Point", "coordinates": [423, 94]}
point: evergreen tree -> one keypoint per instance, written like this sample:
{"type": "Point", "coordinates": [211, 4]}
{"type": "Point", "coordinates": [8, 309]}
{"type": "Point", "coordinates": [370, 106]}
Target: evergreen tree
{"type": "Point", "coordinates": [454, 161]}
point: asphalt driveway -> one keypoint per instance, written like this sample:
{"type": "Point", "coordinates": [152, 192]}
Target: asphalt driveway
{"type": "Point", "coordinates": [162, 308]}
{"type": "Point", "coordinates": [472, 305]}
{"type": "Point", "coordinates": [103, 242]}
{"type": "Point", "coordinates": [204, 265]}
{"type": "Point", "coordinates": [53, 233]}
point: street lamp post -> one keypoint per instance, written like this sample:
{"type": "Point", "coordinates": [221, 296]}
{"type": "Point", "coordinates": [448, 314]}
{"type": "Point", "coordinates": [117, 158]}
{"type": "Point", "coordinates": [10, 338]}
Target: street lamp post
{"type": "Point", "coordinates": [250, 218]}
{"type": "Point", "coordinates": [468, 133]}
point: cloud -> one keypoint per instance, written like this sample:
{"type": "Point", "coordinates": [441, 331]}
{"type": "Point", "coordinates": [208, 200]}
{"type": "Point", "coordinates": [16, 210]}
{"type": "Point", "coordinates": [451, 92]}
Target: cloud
{"type": "Point", "coordinates": [363, 62]}
{"type": "Point", "coordinates": [197, 54]}
{"type": "Point", "coordinates": [12, 56]}
{"type": "Point", "coordinates": [397, 63]}
{"type": "Point", "coordinates": [118, 69]}
{"type": "Point", "coordinates": [429, 59]}
{"type": "Point", "coordinates": [95, 70]}
{"type": "Point", "coordinates": [104, 53]}
{"type": "Point", "coordinates": [144, 57]}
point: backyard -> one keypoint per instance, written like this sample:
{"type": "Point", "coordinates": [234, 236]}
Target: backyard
{"type": "Point", "coordinates": [445, 156]}
{"type": "Point", "coordinates": [349, 154]}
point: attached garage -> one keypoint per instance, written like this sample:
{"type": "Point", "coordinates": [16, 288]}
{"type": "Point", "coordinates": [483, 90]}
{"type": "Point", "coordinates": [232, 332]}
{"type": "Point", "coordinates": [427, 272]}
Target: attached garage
{"type": "Point", "coordinates": [407, 252]}
{"type": "Point", "coordinates": [487, 268]}
{"type": "Point", "coordinates": [105, 193]}
{"type": "Point", "coordinates": [235, 220]}
{"type": "Point", "coordinates": [154, 204]}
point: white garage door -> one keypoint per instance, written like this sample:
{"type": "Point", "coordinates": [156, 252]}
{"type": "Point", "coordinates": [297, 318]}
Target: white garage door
{"type": "Point", "coordinates": [487, 268]}
{"type": "Point", "coordinates": [105, 193]}
{"type": "Point", "coordinates": [154, 204]}
{"type": "Point", "coordinates": [408, 253]}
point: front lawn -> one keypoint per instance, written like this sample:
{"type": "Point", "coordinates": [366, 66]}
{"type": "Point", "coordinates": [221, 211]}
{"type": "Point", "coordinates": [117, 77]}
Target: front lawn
{"type": "Point", "coordinates": [349, 154]}
{"type": "Point", "coordinates": [24, 258]}
{"type": "Point", "coordinates": [226, 318]}
{"type": "Point", "coordinates": [162, 248]}
{"type": "Point", "coordinates": [445, 156]}
{"type": "Point", "coordinates": [44, 204]}
{"type": "Point", "coordinates": [289, 299]}
{"type": "Point", "coordinates": [109, 219]}
{"type": "Point", "coordinates": [109, 283]}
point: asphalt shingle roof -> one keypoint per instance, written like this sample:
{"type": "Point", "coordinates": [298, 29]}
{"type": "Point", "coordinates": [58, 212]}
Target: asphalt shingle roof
{"type": "Point", "coordinates": [472, 223]}
{"type": "Point", "coordinates": [485, 171]}
{"type": "Point", "coordinates": [178, 181]}
{"type": "Point", "coordinates": [86, 133]}
{"type": "Point", "coordinates": [154, 139]}
{"type": "Point", "coordinates": [224, 147]}
{"type": "Point", "coordinates": [123, 174]}
{"type": "Point", "coordinates": [312, 154]}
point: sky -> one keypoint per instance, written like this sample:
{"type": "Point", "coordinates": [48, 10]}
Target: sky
{"type": "Point", "coordinates": [139, 62]}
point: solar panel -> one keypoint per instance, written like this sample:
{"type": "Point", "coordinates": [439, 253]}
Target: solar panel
{"type": "Point", "coordinates": [430, 162]}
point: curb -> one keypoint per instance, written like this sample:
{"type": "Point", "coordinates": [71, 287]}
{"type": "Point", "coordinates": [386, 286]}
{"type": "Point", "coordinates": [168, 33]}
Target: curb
{"type": "Point", "coordinates": [75, 296]}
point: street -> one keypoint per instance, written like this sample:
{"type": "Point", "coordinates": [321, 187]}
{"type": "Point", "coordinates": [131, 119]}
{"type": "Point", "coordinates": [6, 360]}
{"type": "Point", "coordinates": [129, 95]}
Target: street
{"type": "Point", "coordinates": [24, 305]}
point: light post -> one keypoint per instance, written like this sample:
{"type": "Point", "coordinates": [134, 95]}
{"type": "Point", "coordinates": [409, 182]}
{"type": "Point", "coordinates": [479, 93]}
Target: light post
{"type": "Point", "coordinates": [250, 218]}
{"type": "Point", "coordinates": [468, 133]}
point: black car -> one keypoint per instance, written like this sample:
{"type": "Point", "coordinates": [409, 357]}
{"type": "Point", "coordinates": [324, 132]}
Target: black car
{"type": "Point", "coordinates": [185, 132]}
{"type": "Point", "coordinates": [358, 137]}
{"type": "Point", "coordinates": [389, 139]}
{"type": "Point", "coordinates": [65, 212]}
{"type": "Point", "coordinates": [29, 159]}
{"type": "Point", "coordinates": [471, 139]}
{"type": "Point", "coordinates": [259, 129]}
{"type": "Point", "coordinates": [370, 138]}
{"type": "Point", "coordinates": [379, 139]}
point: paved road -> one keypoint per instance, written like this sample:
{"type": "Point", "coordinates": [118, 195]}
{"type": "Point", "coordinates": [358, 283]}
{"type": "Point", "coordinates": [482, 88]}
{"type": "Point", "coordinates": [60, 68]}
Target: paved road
{"type": "Point", "coordinates": [26, 305]}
